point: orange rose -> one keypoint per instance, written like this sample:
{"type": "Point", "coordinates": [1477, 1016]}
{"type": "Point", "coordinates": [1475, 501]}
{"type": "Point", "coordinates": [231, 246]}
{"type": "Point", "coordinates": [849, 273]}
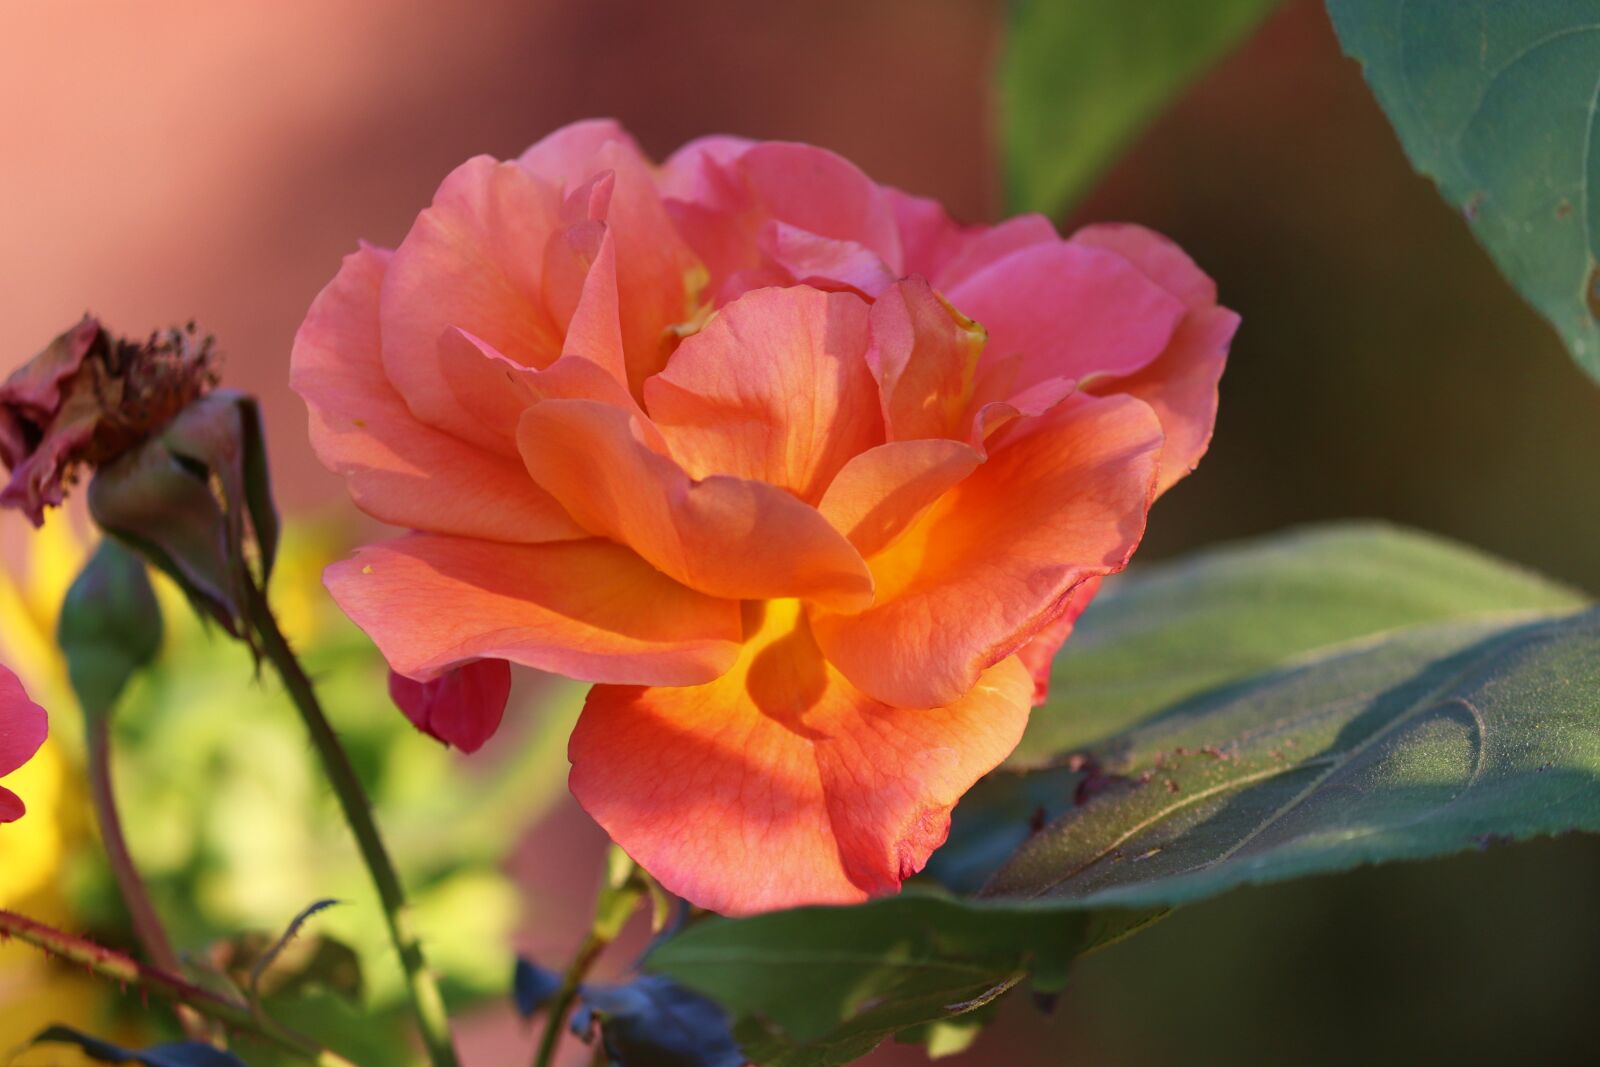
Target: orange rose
{"type": "Point", "coordinates": [809, 478]}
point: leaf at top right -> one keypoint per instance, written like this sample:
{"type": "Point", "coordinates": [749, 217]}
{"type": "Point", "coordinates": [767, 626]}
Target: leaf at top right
{"type": "Point", "coordinates": [1498, 101]}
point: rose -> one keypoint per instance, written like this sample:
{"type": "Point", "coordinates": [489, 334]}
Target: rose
{"type": "Point", "coordinates": [23, 728]}
{"type": "Point", "coordinates": [727, 438]}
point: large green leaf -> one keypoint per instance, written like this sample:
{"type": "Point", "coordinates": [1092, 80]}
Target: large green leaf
{"type": "Point", "coordinates": [1422, 741]}
{"type": "Point", "coordinates": [1498, 103]}
{"type": "Point", "coordinates": [1079, 79]}
{"type": "Point", "coordinates": [1179, 629]}
{"type": "Point", "coordinates": [1431, 741]}
{"type": "Point", "coordinates": [817, 986]}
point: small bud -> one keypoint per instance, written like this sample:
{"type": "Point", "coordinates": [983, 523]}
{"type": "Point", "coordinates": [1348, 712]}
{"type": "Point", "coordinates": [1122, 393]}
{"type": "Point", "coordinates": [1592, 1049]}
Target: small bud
{"type": "Point", "coordinates": [462, 707]}
{"type": "Point", "coordinates": [88, 398]}
{"type": "Point", "coordinates": [110, 627]}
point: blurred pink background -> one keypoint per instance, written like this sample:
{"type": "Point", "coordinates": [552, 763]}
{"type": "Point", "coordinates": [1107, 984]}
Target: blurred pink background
{"type": "Point", "coordinates": [175, 158]}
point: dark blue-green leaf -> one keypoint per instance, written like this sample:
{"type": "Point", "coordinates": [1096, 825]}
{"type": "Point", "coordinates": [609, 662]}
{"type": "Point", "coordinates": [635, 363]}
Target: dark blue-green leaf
{"type": "Point", "coordinates": [1496, 101]}
{"type": "Point", "coordinates": [655, 1022]}
{"type": "Point", "coordinates": [175, 1054]}
{"type": "Point", "coordinates": [532, 986]}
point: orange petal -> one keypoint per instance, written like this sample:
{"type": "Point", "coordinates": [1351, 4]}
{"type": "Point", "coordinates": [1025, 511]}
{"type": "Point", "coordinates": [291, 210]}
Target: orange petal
{"type": "Point", "coordinates": [993, 561]}
{"type": "Point", "coordinates": [585, 609]}
{"type": "Point", "coordinates": [473, 261]}
{"type": "Point", "coordinates": [781, 784]}
{"type": "Point", "coordinates": [925, 357]}
{"type": "Point", "coordinates": [776, 388]}
{"type": "Point", "coordinates": [398, 469]}
{"type": "Point", "coordinates": [881, 491]}
{"type": "Point", "coordinates": [1040, 651]}
{"type": "Point", "coordinates": [724, 536]}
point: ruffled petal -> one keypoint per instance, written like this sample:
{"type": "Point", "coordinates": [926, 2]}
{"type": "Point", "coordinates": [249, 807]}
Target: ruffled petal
{"type": "Point", "coordinates": [400, 470]}
{"type": "Point", "coordinates": [586, 609]}
{"type": "Point", "coordinates": [774, 213]}
{"type": "Point", "coordinates": [725, 536]}
{"type": "Point", "coordinates": [1181, 384]}
{"type": "Point", "coordinates": [1070, 311]}
{"type": "Point", "coordinates": [23, 728]}
{"type": "Point", "coordinates": [776, 388]}
{"type": "Point", "coordinates": [461, 707]}
{"type": "Point", "coordinates": [781, 784]}
{"type": "Point", "coordinates": [995, 559]}
{"type": "Point", "coordinates": [925, 356]}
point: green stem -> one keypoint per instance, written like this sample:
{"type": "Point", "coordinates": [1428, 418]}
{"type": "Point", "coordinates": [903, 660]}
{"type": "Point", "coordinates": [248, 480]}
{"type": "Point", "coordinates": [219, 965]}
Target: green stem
{"type": "Point", "coordinates": [426, 1000]}
{"type": "Point", "coordinates": [624, 888]}
{"type": "Point", "coordinates": [126, 971]}
{"type": "Point", "coordinates": [593, 945]}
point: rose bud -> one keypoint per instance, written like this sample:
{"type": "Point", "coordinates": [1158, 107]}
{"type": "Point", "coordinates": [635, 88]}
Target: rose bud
{"type": "Point", "coordinates": [462, 707]}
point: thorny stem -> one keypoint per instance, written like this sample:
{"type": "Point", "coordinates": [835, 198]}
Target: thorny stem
{"type": "Point", "coordinates": [146, 922]}
{"type": "Point", "coordinates": [126, 971]}
{"type": "Point", "coordinates": [426, 1001]}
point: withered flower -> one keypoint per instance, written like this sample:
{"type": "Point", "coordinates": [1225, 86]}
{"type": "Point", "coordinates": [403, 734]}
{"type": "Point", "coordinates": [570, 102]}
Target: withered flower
{"type": "Point", "coordinates": [88, 398]}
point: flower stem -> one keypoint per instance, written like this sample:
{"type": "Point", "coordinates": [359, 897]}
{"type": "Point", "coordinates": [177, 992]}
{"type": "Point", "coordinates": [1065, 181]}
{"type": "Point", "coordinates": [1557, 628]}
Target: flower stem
{"type": "Point", "coordinates": [623, 890]}
{"type": "Point", "coordinates": [593, 945]}
{"type": "Point", "coordinates": [426, 1000]}
{"type": "Point", "coordinates": [126, 971]}
{"type": "Point", "coordinates": [146, 922]}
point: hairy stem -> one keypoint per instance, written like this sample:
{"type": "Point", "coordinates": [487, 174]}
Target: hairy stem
{"type": "Point", "coordinates": [125, 971]}
{"type": "Point", "coordinates": [146, 922]}
{"type": "Point", "coordinates": [426, 1000]}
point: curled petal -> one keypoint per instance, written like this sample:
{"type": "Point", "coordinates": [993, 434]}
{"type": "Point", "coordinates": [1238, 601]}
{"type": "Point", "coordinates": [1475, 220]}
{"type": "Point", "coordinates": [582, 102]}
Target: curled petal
{"type": "Point", "coordinates": [461, 707]}
{"type": "Point", "coordinates": [23, 728]}
{"type": "Point", "coordinates": [585, 609]}
{"type": "Point", "coordinates": [776, 388]}
{"type": "Point", "coordinates": [781, 784]}
{"type": "Point", "coordinates": [995, 559]}
{"type": "Point", "coordinates": [398, 469]}
{"type": "Point", "coordinates": [729, 537]}
{"type": "Point", "coordinates": [925, 356]}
